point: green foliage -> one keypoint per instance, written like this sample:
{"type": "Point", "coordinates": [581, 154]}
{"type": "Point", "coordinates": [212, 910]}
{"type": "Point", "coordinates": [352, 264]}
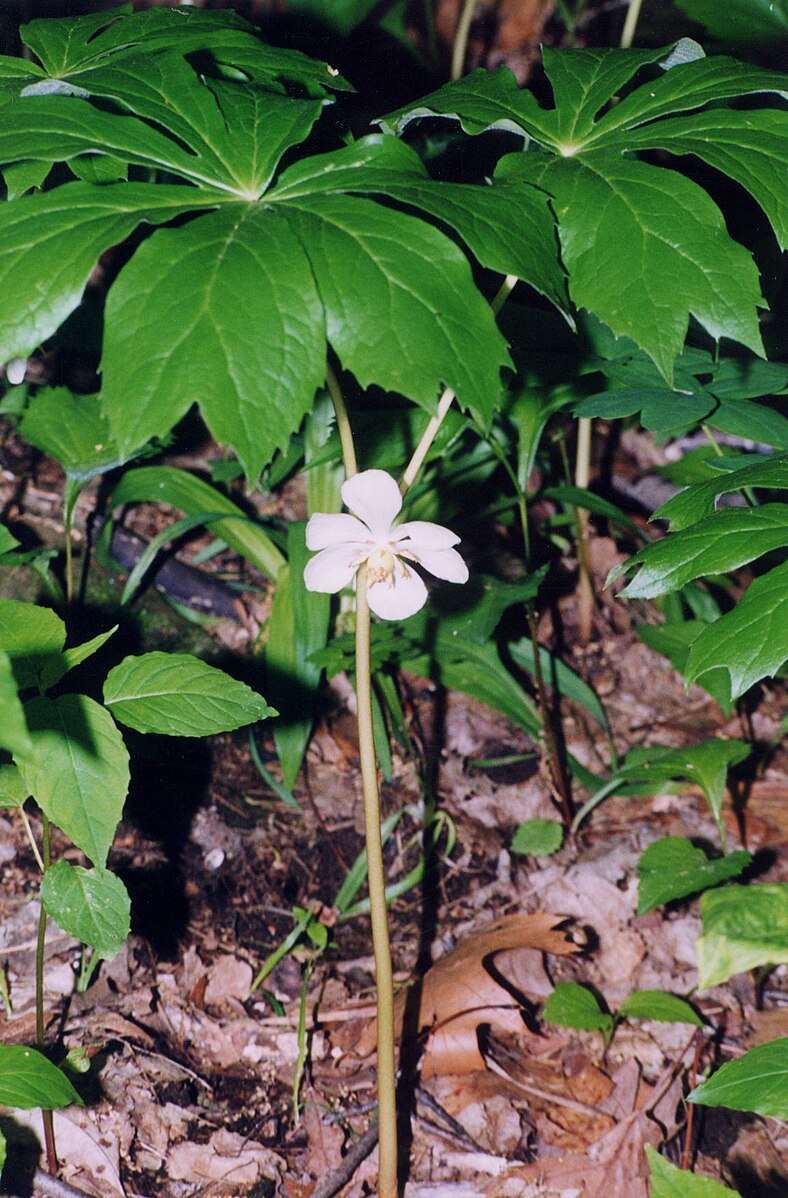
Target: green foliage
{"type": "Point", "coordinates": [571, 1005]}
{"type": "Point", "coordinates": [656, 1004]}
{"type": "Point", "coordinates": [673, 868]}
{"type": "Point", "coordinates": [28, 1080]}
{"type": "Point", "coordinates": [604, 198]}
{"type": "Point", "coordinates": [758, 1082]}
{"type": "Point", "coordinates": [538, 838]}
{"type": "Point", "coordinates": [90, 904]}
{"type": "Point", "coordinates": [667, 1181]}
{"type": "Point", "coordinates": [744, 927]}
{"type": "Point", "coordinates": [176, 694]}
{"type": "Point", "coordinates": [741, 22]}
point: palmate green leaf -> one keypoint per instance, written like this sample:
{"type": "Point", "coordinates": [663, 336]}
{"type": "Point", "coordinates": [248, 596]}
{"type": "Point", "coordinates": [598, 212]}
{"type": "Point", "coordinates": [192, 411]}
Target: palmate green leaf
{"type": "Point", "coordinates": [675, 234]}
{"type": "Point", "coordinates": [28, 1080]}
{"type": "Point", "coordinates": [675, 641]}
{"type": "Point", "coordinates": [571, 1005]}
{"type": "Point", "coordinates": [223, 312]}
{"type": "Point", "coordinates": [505, 229]}
{"type": "Point", "coordinates": [744, 927]}
{"type": "Point", "coordinates": [643, 251]}
{"type": "Point", "coordinates": [14, 735]}
{"type": "Point", "coordinates": [79, 770]}
{"type": "Point", "coordinates": [175, 694]}
{"type": "Point", "coordinates": [667, 1181]}
{"type": "Point", "coordinates": [392, 316]}
{"type": "Point", "coordinates": [538, 838]}
{"type": "Point", "coordinates": [13, 792]}
{"type": "Point", "coordinates": [758, 1082]}
{"type": "Point", "coordinates": [746, 644]}
{"type": "Point", "coordinates": [699, 501]}
{"type": "Point", "coordinates": [723, 541]}
{"type": "Point", "coordinates": [91, 904]}
{"type": "Point", "coordinates": [674, 868]}
{"type": "Point", "coordinates": [75, 46]}
{"type": "Point", "coordinates": [71, 225]}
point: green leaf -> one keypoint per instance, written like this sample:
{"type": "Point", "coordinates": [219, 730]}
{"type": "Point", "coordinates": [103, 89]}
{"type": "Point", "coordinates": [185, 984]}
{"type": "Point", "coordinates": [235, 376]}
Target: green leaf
{"type": "Point", "coordinates": [571, 1005]}
{"type": "Point", "coordinates": [57, 667]}
{"type": "Point", "coordinates": [744, 927]}
{"type": "Point", "coordinates": [746, 644]}
{"type": "Point", "coordinates": [673, 868]}
{"type": "Point", "coordinates": [656, 1004]}
{"type": "Point", "coordinates": [79, 771]}
{"type": "Point", "coordinates": [176, 694]}
{"type": "Point", "coordinates": [13, 729]}
{"type": "Point", "coordinates": [437, 330]}
{"type": "Point", "coordinates": [91, 904]}
{"type": "Point", "coordinates": [229, 298]}
{"type": "Point", "coordinates": [699, 501]}
{"type": "Point", "coordinates": [13, 792]}
{"type": "Point", "coordinates": [297, 628]}
{"type": "Point", "coordinates": [3, 1151]}
{"type": "Point", "coordinates": [504, 228]}
{"type": "Point", "coordinates": [742, 22]}
{"type": "Point", "coordinates": [723, 541]}
{"type": "Point", "coordinates": [28, 1080]}
{"type": "Point", "coordinates": [758, 1082]}
{"type": "Point", "coordinates": [678, 257]}
{"type": "Point", "coordinates": [190, 494]}
{"type": "Point", "coordinates": [77, 46]}
{"type": "Point", "coordinates": [33, 637]}
{"type": "Point", "coordinates": [73, 429]}
{"type": "Point", "coordinates": [675, 234]}
{"type": "Point", "coordinates": [73, 225]}
{"type": "Point", "coordinates": [538, 838]}
{"type": "Point", "coordinates": [667, 1181]}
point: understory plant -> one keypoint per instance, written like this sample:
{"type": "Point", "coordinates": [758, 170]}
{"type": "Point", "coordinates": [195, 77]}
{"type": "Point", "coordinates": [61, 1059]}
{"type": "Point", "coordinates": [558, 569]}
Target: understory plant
{"type": "Point", "coordinates": [345, 306]}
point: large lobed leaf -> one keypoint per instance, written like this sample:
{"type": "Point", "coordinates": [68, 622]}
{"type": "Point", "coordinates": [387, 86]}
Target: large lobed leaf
{"type": "Point", "coordinates": [644, 250]}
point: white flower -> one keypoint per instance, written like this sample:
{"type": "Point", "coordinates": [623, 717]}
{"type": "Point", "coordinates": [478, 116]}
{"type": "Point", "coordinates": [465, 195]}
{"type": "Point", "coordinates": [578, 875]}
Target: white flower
{"type": "Point", "coordinates": [394, 589]}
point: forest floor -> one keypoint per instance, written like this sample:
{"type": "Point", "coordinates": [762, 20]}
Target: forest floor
{"type": "Point", "coordinates": [191, 1090]}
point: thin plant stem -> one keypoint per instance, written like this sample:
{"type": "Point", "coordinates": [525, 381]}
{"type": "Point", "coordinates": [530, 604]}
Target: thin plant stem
{"type": "Point", "coordinates": [381, 948]}
{"type": "Point", "coordinates": [460, 47]}
{"type": "Point", "coordinates": [31, 838]}
{"type": "Point", "coordinates": [343, 422]}
{"type": "Point", "coordinates": [630, 24]}
{"type": "Point", "coordinates": [384, 980]}
{"type": "Point", "coordinates": [48, 1121]}
{"type": "Point", "coordinates": [444, 404]}
{"type": "Point", "coordinates": [585, 589]}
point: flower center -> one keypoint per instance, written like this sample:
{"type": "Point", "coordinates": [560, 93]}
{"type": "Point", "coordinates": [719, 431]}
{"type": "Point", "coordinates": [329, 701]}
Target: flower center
{"type": "Point", "coordinates": [380, 567]}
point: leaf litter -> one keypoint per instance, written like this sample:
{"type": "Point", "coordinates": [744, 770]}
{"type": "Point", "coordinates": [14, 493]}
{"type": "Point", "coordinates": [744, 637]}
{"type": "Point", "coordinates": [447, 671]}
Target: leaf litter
{"type": "Point", "coordinates": [196, 1076]}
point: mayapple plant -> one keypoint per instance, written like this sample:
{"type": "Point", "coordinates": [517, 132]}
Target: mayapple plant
{"type": "Point", "coordinates": [264, 250]}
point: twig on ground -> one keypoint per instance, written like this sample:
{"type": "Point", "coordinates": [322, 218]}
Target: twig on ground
{"type": "Point", "coordinates": [341, 1175]}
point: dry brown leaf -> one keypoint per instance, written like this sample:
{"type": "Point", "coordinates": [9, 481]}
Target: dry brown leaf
{"type": "Point", "coordinates": [468, 988]}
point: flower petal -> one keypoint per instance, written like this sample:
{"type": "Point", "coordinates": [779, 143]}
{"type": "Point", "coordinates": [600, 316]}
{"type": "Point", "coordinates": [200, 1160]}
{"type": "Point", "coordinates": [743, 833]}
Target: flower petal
{"type": "Point", "coordinates": [444, 563]}
{"type": "Point", "coordinates": [330, 570]}
{"type": "Point", "coordinates": [423, 534]}
{"type": "Point", "coordinates": [374, 497]}
{"type": "Point", "coordinates": [324, 530]}
{"type": "Point", "coordinates": [397, 599]}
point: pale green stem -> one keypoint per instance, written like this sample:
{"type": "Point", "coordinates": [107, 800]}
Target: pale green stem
{"type": "Point", "coordinates": [444, 403]}
{"type": "Point", "coordinates": [630, 24]}
{"type": "Point", "coordinates": [376, 881]}
{"type": "Point", "coordinates": [343, 422]}
{"type": "Point", "coordinates": [387, 1075]}
{"type": "Point", "coordinates": [582, 479]}
{"type": "Point", "coordinates": [47, 1118]}
{"type": "Point", "coordinates": [31, 838]}
{"type": "Point", "coordinates": [460, 47]}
